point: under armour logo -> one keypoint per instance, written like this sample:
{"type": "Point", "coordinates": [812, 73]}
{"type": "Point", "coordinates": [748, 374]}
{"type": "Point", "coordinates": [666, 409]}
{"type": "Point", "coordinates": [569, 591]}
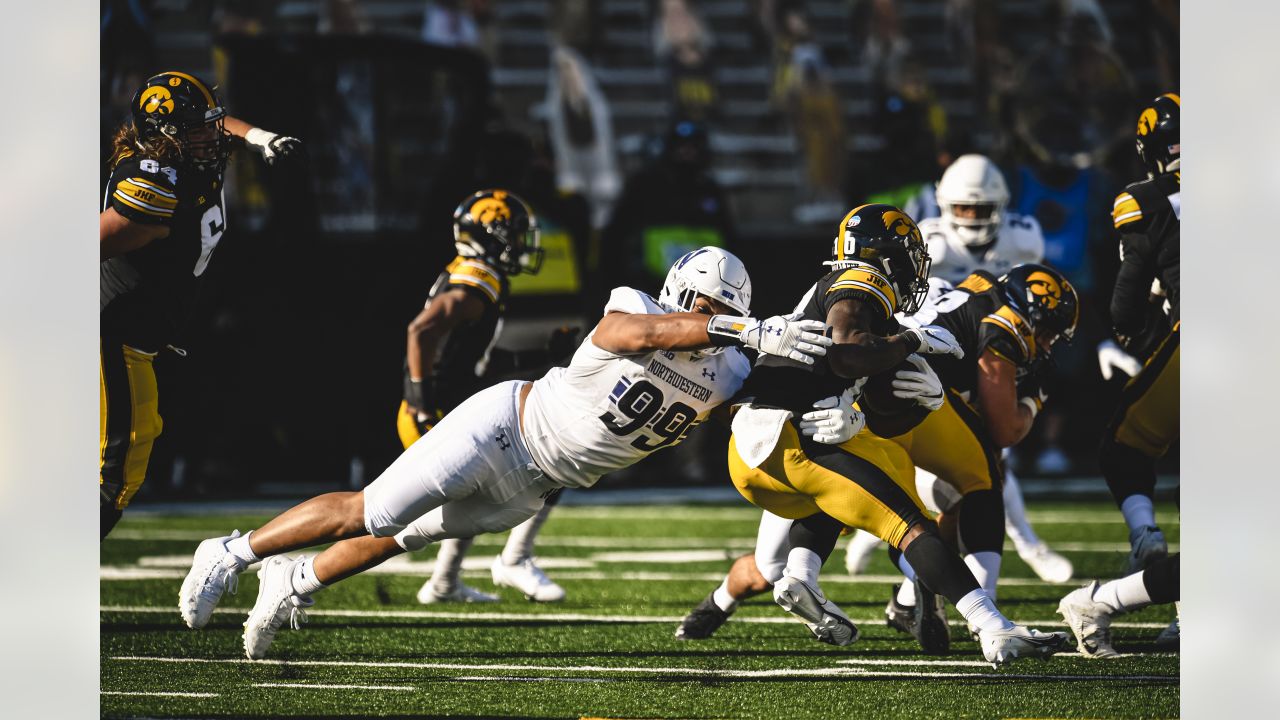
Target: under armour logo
{"type": "Point", "coordinates": [775, 329]}
{"type": "Point", "coordinates": [708, 374]}
{"type": "Point", "coordinates": [502, 441]}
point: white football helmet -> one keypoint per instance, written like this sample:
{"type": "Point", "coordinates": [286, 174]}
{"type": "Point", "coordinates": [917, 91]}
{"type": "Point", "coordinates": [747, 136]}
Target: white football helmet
{"type": "Point", "coordinates": [709, 271]}
{"type": "Point", "coordinates": [976, 182]}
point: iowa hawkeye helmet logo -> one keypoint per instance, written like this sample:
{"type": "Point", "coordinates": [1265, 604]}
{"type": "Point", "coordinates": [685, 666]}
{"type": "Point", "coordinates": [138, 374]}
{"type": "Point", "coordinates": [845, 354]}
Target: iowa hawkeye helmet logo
{"type": "Point", "coordinates": [489, 210]}
{"type": "Point", "coordinates": [156, 99]}
{"type": "Point", "coordinates": [898, 223]}
{"type": "Point", "coordinates": [1045, 288]}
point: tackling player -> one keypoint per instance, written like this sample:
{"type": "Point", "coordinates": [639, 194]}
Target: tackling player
{"type": "Point", "coordinates": [450, 351]}
{"type": "Point", "coordinates": [1148, 217]}
{"type": "Point", "coordinates": [162, 217]}
{"type": "Point", "coordinates": [649, 372]}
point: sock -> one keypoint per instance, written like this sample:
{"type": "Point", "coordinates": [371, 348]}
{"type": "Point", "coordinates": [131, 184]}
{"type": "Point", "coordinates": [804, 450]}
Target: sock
{"type": "Point", "coordinates": [861, 546]}
{"type": "Point", "coordinates": [985, 567]}
{"type": "Point", "coordinates": [980, 611]}
{"type": "Point", "coordinates": [304, 579]}
{"type": "Point", "coordinates": [907, 594]}
{"type": "Point", "coordinates": [1161, 580]}
{"type": "Point", "coordinates": [803, 564]}
{"type": "Point", "coordinates": [1139, 512]}
{"type": "Point", "coordinates": [939, 568]}
{"type": "Point", "coordinates": [1015, 516]}
{"type": "Point", "coordinates": [519, 545]}
{"type": "Point", "coordinates": [907, 571]}
{"type": "Point", "coordinates": [1124, 595]}
{"type": "Point", "coordinates": [723, 599]}
{"type": "Point", "coordinates": [444, 577]}
{"type": "Point", "coordinates": [239, 548]}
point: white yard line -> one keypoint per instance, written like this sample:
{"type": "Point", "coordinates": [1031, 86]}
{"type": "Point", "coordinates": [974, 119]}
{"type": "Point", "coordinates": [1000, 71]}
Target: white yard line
{"type": "Point", "coordinates": [678, 671]}
{"type": "Point", "coordinates": [307, 686]}
{"type": "Point", "coordinates": [158, 694]}
{"type": "Point", "coordinates": [780, 619]}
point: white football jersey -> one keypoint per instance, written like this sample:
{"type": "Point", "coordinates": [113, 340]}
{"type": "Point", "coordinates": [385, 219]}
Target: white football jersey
{"type": "Point", "coordinates": [607, 411]}
{"type": "Point", "coordinates": [1020, 240]}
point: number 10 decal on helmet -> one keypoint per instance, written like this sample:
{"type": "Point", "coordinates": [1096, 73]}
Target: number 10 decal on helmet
{"type": "Point", "coordinates": [888, 240]}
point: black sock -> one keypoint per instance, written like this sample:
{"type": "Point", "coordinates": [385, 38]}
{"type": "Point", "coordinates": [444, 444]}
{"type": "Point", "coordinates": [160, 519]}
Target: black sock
{"type": "Point", "coordinates": [940, 569]}
{"type": "Point", "coordinates": [1161, 580]}
{"type": "Point", "coordinates": [818, 532]}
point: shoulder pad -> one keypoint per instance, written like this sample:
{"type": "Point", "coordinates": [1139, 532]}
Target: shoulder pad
{"type": "Point", "coordinates": [869, 280]}
{"type": "Point", "coordinates": [473, 272]}
{"type": "Point", "coordinates": [141, 194]}
{"type": "Point", "coordinates": [1007, 319]}
{"type": "Point", "coordinates": [630, 300]}
{"type": "Point", "coordinates": [979, 281]}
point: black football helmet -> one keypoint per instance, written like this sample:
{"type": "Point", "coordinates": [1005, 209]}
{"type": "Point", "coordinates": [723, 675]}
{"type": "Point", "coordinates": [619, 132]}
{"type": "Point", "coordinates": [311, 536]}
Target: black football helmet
{"type": "Point", "coordinates": [1043, 297]}
{"type": "Point", "coordinates": [1158, 136]}
{"type": "Point", "coordinates": [499, 227]}
{"type": "Point", "coordinates": [184, 110]}
{"type": "Point", "coordinates": [886, 238]}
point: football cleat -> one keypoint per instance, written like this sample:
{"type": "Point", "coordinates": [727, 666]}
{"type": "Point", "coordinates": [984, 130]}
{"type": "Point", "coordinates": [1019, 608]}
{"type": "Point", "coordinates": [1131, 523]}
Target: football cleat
{"type": "Point", "coordinates": [1148, 546]}
{"type": "Point", "coordinates": [1171, 637]}
{"type": "Point", "coordinates": [702, 621]}
{"type": "Point", "coordinates": [929, 618]}
{"type": "Point", "coordinates": [898, 616]}
{"type": "Point", "coordinates": [1047, 564]}
{"type": "Point", "coordinates": [1089, 620]}
{"type": "Point", "coordinates": [528, 578]}
{"type": "Point", "coordinates": [1003, 646]}
{"type": "Point", "coordinates": [461, 593]}
{"type": "Point", "coordinates": [277, 604]}
{"type": "Point", "coordinates": [825, 620]}
{"type": "Point", "coordinates": [213, 572]}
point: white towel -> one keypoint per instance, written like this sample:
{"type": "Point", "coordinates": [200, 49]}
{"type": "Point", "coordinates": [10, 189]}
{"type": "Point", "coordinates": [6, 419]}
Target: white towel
{"type": "Point", "coordinates": [755, 432]}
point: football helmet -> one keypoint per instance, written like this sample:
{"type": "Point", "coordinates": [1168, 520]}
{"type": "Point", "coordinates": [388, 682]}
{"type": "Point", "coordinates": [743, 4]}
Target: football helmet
{"type": "Point", "coordinates": [1044, 298]}
{"type": "Point", "coordinates": [500, 228]}
{"type": "Point", "coordinates": [975, 183]}
{"type": "Point", "coordinates": [710, 271]}
{"type": "Point", "coordinates": [887, 239]}
{"type": "Point", "coordinates": [1158, 137]}
{"type": "Point", "coordinates": [183, 110]}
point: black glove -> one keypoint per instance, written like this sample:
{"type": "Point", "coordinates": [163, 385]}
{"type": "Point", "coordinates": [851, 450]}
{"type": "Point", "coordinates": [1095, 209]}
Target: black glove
{"type": "Point", "coordinates": [562, 343]}
{"type": "Point", "coordinates": [420, 394]}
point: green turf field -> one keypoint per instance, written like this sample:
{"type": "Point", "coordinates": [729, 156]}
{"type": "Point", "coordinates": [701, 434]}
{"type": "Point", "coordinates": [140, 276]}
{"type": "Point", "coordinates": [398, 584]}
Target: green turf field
{"type": "Point", "coordinates": [631, 572]}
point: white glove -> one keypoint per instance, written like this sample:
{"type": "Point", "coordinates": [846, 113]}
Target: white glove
{"type": "Point", "coordinates": [782, 335]}
{"type": "Point", "coordinates": [835, 420]}
{"type": "Point", "coordinates": [935, 340]}
{"type": "Point", "coordinates": [921, 384]}
{"type": "Point", "coordinates": [1111, 358]}
{"type": "Point", "coordinates": [272, 147]}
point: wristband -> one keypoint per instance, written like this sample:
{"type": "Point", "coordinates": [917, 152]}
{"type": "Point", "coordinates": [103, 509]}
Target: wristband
{"type": "Point", "coordinates": [1031, 404]}
{"type": "Point", "coordinates": [913, 339]}
{"type": "Point", "coordinates": [726, 330]}
{"type": "Point", "coordinates": [260, 137]}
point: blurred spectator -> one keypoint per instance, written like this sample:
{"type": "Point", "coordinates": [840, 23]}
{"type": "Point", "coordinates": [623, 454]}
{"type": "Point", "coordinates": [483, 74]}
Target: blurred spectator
{"type": "Point", "coordinates": [682, 44]}
{"type": "Point", "coordinates": [450, 22]}
{"type": "Point", "coordinates": [913, 125]}
{"type": "Point", "coordinates": [573, 23]}
{"type": "Point", "coordinates": [882, 47]}
{"type": "Point", "coordinates": [343, 17]}
{"type": "Point", "coordinates": [581, 133]}
{"type": "Point", "coordinates": [1160, 42]}
{"type": "Point", "coordinates": [817, 120]}
{"type": "Point", "coordinates": [977, 39]}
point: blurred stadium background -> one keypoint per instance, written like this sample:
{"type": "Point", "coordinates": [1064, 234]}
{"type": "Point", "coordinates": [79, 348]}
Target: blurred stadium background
{"type": "Point", "coordinates": [636, 129]}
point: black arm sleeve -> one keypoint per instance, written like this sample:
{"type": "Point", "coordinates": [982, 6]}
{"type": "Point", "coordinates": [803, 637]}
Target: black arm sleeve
{"type": "Point", "coordinates": [1133, 285]}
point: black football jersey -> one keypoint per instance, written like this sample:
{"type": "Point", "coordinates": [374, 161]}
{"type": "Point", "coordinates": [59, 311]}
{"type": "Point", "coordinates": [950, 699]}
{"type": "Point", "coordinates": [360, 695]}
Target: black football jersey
{"type": "Point", "coordinates": [976, 313]}
{"type": "Point", "coordinates": [778, 382]}
{"type": "Point", "coordinates": [146, 293]}
{"type": "Point", "coordinates": [460, 365]}
{"type": "Point", "coordinates": [1148, 216]}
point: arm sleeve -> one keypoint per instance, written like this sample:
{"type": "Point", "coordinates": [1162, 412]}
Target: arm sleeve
{"type": "Point", "coordinates": [143, 197]}
{"type": "Point", "coordinates": [1007, 335]}
{"type": "Point", "coordinates": [1133, 284]}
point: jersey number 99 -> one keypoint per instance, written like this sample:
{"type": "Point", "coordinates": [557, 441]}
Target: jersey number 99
{"type": "Point", "coordinates": [639, 405]}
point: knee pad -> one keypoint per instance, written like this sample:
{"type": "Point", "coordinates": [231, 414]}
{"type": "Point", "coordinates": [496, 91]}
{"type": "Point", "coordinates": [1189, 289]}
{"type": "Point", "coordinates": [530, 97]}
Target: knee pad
{"type": "Point", "coordinates": [982, 521]}
{"type": "Point", "coordinates": [1127, 470]}
{"type": "Point", "coordinates": [410, 540]}
{"type": "Point", "coordinates": [377, 520]}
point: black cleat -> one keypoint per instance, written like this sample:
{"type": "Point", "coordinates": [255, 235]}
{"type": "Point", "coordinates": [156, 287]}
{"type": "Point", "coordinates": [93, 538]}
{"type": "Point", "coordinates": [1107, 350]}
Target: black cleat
{"type": "Point", "coordinates": [702, 621]}
{"type": "Point", "coordinates": [898, 616]}
{"type": "Point", "coordinates": [930, 621]}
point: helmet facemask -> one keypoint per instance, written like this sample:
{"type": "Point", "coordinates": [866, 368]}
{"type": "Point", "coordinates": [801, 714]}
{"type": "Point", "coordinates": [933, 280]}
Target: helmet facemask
{"type": "Point", "coordinates": [976, 223]}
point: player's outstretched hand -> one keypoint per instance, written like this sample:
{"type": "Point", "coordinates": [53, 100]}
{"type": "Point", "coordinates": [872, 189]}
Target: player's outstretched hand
{"type": "Point", "coordinates": [272, 147]}
{"type": "Point", "coordinates": [834, 421]}
{"type": "Point", "coordinates": [921, 384]}
{"type": "Point", "coordinates": [1111, 358]}
{"type": "Point", "coordinates": [936, 340]}
{"type": "Point", "coordinates": [788, 336]}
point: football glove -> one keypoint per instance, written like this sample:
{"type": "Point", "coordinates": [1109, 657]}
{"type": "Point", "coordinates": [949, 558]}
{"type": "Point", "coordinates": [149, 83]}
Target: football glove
{"type": "Point", "coordinates": [1111, 358]}
{"type": "Point", "coordinates": [273, 147]}
{"type": "Point", "coordinates": [834, 420]}
{"type": "Point", "coordinates": [1032, 393]}
{"type": "Point", "coordinates": [935, 340]}
{"type": "Point", "coordinates": [782, 335]}
{"type": "Point", "coordinates": [922, 384]}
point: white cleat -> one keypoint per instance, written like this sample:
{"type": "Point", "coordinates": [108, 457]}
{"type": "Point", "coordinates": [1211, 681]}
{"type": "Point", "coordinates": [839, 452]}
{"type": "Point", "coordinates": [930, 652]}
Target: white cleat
{"type": "Point", "coordinates": [1089, 620]}
{"type": "Point", "coordinates": [214, 571]}
{"type": "Point", "coordinates": [1148, 546]}
{"type": "Point", "coordinates": [461, 593]}
{"type": "Point", "coordinates": [528, 578]}
{"type": "Point", "coordinates": [1004, 646]}
{"type": "Point", "coordinates": [1049, 565]}
{"type": "Point", "coordinates": [858, 555]}
{"type": "Point", "coordinates": [825, 620]}
{"type": "Point", "coordinates": [277, 604]}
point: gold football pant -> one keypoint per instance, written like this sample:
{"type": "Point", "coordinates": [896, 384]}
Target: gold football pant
{"type": "Point", "coordinates": [129, 423]}
{"type": "Point", "coordinates": [866, 482]}
{"type": "Point", "coordinates": [1145, 424]}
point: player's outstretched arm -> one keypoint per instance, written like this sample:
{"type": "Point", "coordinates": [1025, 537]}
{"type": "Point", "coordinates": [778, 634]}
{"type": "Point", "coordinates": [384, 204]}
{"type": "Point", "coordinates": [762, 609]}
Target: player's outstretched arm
{"type": "Point", "coordinates": [270, 146]}
{"type": "Point", "coordinates": [634, 333]}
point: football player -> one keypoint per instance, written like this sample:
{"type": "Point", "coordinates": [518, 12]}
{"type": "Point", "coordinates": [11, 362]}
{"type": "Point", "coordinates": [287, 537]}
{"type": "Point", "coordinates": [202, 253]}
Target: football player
{"type": "Point", "coordinates": [162, 217]}
{"type": "Point", "coordinates": [450, 351]}
{"type": "Point", "coordinates": [1088, 610]}
{"type": "Point", "coordinates": [975, 232]}
{"type": "Point", "coordinates": [1147, 216]}
{"type": "Point", "coordinates": [879, 267]}
{"type": "Point", "coordinates": [649, 372]}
